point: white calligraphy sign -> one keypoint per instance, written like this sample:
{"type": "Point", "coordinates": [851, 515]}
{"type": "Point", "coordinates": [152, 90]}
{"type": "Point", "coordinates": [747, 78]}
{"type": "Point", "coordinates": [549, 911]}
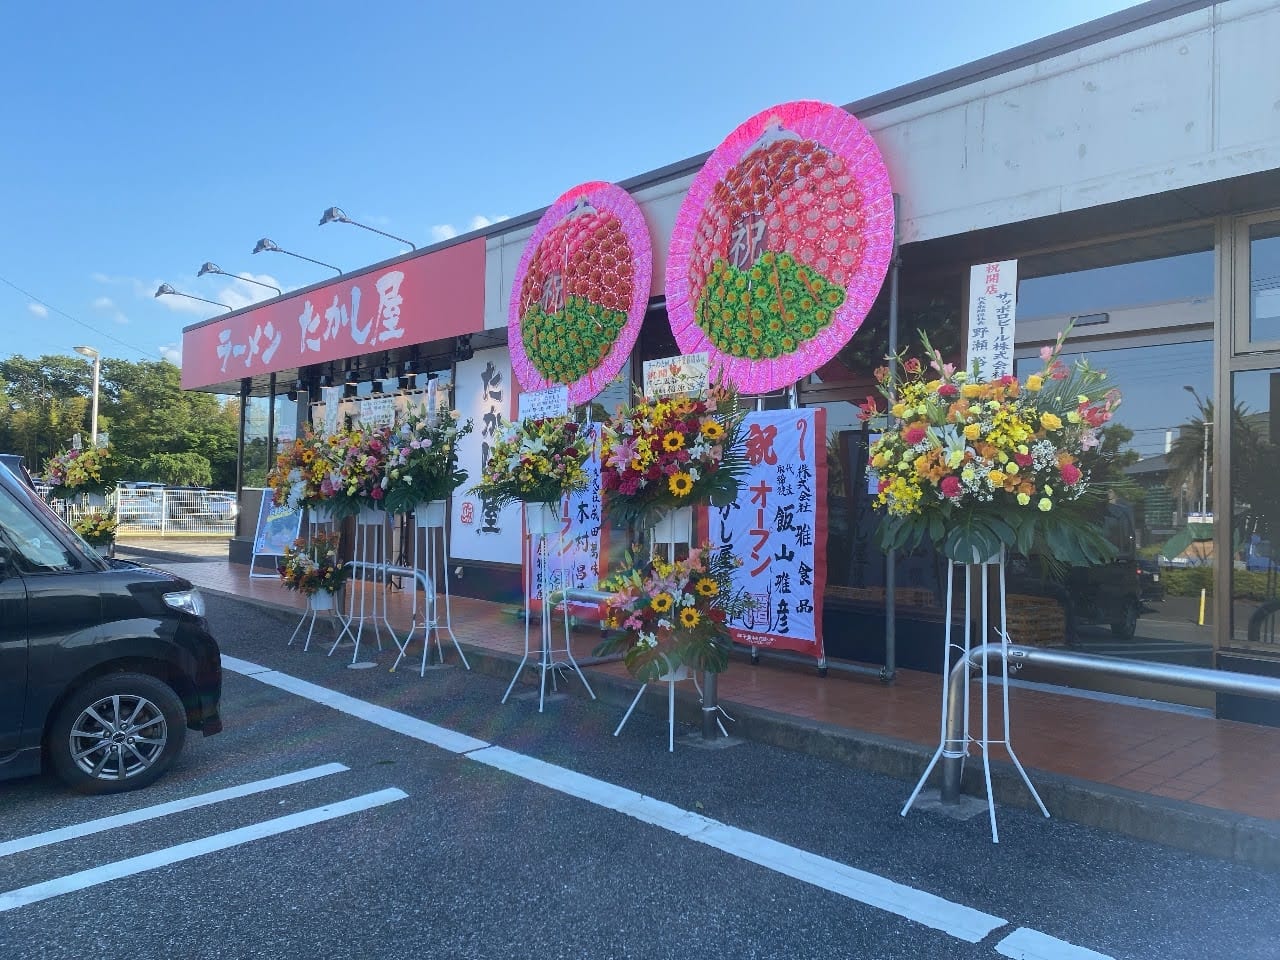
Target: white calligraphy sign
{"type": "Point", "coordinates": [688, 374]}
{"type": "Point", "coordinates": [378, 412]}
{"type": "Point", "coordinates": [539, 404]}
{"type": "Point", "coordinates": [993, 290]}
{"type": "Point", "coordinates": [778, 528]}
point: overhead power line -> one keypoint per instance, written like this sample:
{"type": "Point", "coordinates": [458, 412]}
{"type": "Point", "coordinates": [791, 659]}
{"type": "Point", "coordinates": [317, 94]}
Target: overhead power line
{"type": "Point", "coordinates": [88, 326]}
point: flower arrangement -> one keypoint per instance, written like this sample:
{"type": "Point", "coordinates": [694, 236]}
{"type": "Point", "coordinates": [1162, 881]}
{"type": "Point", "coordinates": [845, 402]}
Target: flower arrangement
{"type": "Point", "coordinates": [309, 567]}
{"type": "Point", "coordinates": [97, 527]}
{"type": "Point", "coordinates": [355, 462]}
{"type": "Point", "coordinates": [671, 452]}
{"type": "Point", "coordinates": [298, 472]}
{"type": "Point", "coordinates": [422, 463]}
{"type": "Point", "coordinates": [80, 471]}
{"type": "Point", "coordinates": [672, 615]}
{"type": "Point", "coordinates": [979, 465]}
{"type": "Point", "coordinates": [535, 461]}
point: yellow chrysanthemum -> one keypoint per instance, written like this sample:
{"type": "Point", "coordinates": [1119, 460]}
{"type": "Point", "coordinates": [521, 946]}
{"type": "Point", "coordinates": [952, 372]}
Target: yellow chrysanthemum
{"type": "Point", "coordinates": [680, 484]}
{"type": "Point", "coordinates": [689, 617]}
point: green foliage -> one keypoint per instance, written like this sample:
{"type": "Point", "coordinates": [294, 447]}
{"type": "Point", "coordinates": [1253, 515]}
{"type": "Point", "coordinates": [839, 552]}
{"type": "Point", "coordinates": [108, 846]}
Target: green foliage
{"type": "Point", "coordinates": [46, 400]}
{"type": "Point", "coordinates": [177, 469]}
{"type": "Point", "coordinates": [1189, 581]}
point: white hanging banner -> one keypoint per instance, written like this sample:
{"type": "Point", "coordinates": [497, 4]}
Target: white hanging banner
{"type": "Point", "coordinates": [993, 290]}
{"type": "Point", "coordinates": [332, 408]}
{"type": "Point", "coordinates": [540, 404]}
{"type": "Point", "coordinates": [574, 550]}
{"type": "Point", "coordinates": [778, 527]}
{"type": "Point", "coordinates": [378, 412]}
{"type": "Point", "coordinates": [688, 374]}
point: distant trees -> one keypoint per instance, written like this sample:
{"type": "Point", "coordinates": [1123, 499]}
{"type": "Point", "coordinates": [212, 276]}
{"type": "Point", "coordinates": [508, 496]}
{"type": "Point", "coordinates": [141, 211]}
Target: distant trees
{"type": "Point", "coordinates": [158, 431]}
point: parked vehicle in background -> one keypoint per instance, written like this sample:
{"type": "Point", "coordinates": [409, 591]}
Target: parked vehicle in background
{"type": "Point", "coordinates": [104, 664]}
{"type": "Point", "coordinates": [1258, 557]}
{"type": "Point", "coordinates": [1149, 583]}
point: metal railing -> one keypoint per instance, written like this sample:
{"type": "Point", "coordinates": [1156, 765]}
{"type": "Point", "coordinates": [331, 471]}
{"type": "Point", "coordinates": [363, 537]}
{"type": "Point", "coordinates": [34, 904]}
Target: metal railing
{"type": "Point", "coordinates": [1223, 681]}
{"type": "Point", "coordinates": [157, 510]}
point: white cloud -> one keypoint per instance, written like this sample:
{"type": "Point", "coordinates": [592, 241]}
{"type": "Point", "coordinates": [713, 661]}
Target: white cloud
{"type": "Point", "coordinates": [107, 305]}
{"type": "Point", "coordinates": [239, 293]}
{"type": "Point", "coordinates": [104, 303]}
{"type": "Point", "coordinates": [447, 231]}
{"type": "Point", "coordinates": [171, 352]}
{"type": "Point", "coordinates": [38, 309]}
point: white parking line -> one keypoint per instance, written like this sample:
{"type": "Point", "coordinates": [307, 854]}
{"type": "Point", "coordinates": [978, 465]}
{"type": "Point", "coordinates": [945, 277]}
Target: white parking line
{"type": "Point", "coordinates": [195, 848]}
{"type": "Point", "coordinates": [958, 920]}
{"type": "Point", "coordinates": [1025, 944]}
{"type": "Point", "coordinates": [164, 809]}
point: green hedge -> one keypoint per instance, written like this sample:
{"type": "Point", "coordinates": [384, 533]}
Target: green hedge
{"type": "Point", "coordinates": [1189, 581]}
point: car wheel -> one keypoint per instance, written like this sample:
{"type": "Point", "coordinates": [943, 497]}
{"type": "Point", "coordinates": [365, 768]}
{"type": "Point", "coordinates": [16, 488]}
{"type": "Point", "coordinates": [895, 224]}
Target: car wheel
{"type": "Point", "coordinates": [119, 732]}
{"type": "Point", "coordinates": [1127, 625]}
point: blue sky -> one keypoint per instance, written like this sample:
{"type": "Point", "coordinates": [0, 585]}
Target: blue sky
{"type": "Point", "coordinates": [140, 141]}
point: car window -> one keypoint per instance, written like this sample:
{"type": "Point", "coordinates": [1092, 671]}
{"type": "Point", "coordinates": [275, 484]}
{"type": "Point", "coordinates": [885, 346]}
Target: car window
{"type": "Point", "coordinates": [36, 548]}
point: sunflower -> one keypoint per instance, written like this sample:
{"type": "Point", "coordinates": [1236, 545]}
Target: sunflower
{"type": "Point", "coordinates": [672, 441]}
{"type": "Point", "coordinates": [680, 484]}
{"type": "Point", "coordinates": [706, 587]}
{"type": "Point", "coordinates": [712, 429]}
{"type": "Point", "coordinates": [662, 602]}
{"type": "Point", "coordinates": [689, 617]}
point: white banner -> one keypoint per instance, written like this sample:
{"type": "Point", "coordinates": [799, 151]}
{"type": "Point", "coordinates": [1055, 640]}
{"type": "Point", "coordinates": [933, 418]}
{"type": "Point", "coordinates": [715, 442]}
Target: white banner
{"type": "Point", "coordinates": [540, 404]}
{"type": "Point", "coordinates": [483, 395]}
{"type": "Point", "coordinates": [778, 527]}
{"type": "Point", "coordinates": [574, 551]}
{"type": "Point", "coordinates": [378, 412]}
{"type": "Point", "coordinates": [993, 291]}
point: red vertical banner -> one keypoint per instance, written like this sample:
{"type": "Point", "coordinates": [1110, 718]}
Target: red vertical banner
{"type": "Point", "coordinates": [778, 528]}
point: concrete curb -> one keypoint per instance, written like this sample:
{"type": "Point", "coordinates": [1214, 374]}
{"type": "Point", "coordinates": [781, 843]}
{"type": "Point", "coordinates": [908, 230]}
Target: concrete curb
{"type": "Point", "coordinates": [1175, 823]}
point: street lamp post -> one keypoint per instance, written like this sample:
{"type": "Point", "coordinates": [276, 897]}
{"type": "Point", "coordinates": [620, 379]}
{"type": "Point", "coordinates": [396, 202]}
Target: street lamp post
{"type": "Point", "coordinates": [93, 355]}
{"type": "Point", "coordinates": [266, 245]}
{"type": "Point", "coordinates": [336, 215]}
{"type": "Point", "coordinates": [164, 290]}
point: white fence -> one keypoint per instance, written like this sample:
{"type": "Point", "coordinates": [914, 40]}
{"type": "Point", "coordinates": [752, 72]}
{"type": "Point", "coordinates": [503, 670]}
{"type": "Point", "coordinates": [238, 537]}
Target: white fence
{"type": "Point", "coordinates": [158, 510]}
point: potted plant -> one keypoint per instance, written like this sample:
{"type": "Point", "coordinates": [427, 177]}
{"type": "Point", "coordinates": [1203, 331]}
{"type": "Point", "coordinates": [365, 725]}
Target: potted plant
{"type": "Point", "coordinates": [314, 568]}
{"type": "Point", "coordinates": [669, 453]}
{"type": "Point", "coordinates": [535, 461]}
{"type": "Point", "coordinates": [671, 617]}
{"type": "Point", "coordinates": [978, 466]}
{"type": "Point", "coordinates": [422, 462]}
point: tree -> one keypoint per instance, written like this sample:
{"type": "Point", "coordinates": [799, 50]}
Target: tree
{"type": "Point", "coordinates": [177, 469]}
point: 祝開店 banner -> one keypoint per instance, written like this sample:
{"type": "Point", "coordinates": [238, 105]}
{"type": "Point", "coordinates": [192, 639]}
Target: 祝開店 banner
{"type": "Point", "coordinates": [776, 526]}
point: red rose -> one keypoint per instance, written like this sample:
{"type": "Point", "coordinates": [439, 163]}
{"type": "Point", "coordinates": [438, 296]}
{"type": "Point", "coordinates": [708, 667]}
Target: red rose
{"type": "Point", "coordinates": [1022, 459]}
{"type": "Point", "coordinates": [948, 390]}
{"type": "Point", "coordinates": [950, 486]}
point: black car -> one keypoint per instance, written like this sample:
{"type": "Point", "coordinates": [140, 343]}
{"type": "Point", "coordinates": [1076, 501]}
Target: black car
{"type": "Point", "coordinates": [104, 664]}
{"type": "Point", "coordinates": [16, 466]}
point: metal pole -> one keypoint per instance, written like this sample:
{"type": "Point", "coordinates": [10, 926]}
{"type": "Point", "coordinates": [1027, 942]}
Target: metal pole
{"type": "Point", "coordinates": [1204, 472]}
{"type": "Point", "coordinates": [93, 422]}
{"type": "Point", "coordinates": [891, 558]}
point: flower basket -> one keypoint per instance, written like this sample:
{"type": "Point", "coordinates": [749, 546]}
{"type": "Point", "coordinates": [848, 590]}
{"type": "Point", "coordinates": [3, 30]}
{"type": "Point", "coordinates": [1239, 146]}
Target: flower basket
{"type": "Point", "coordinates": [428, 515]}
{"type": "Point", "coordinates": [980, 466]}
{"type": "Point", "coordinates": [98, 529]}
{"type": "Point", "coordinates": [542, 519]}
{"type": "Point", "coordinates": [355, 462]}
{"type": "Point", "coordinates": [422, 461]}
{"type": "Point", "coordinates": [535, 461]}
{"type": "Point", "coordinates": [312, 566]}
{"type": "Point", "coordinates": [671, 617]}
{"type": "Point", "coordinates": [73, 472]}
{"type": "Point", "coordinates": [665, 454]}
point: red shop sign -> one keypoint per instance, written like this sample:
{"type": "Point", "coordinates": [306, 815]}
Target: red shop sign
{"type": "Point", "coordinates": [429, 297]}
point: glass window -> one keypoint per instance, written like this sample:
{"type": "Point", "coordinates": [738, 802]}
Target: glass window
{"type": "Point", "coordinates": [1264, 281]}
{"type": "Point", "coordinates": [37, 549]}
{"type": "Point", "coordinates": [256, 450]}
{"type": "Point", "coordinates": [1255, 512]}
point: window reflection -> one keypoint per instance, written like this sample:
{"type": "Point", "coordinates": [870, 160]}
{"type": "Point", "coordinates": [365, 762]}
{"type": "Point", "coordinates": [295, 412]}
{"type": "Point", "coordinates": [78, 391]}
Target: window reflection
{"type": "Point", "coordinates": [1255, 512]}
{"type": "Point", "coordinates": [1264, 282]}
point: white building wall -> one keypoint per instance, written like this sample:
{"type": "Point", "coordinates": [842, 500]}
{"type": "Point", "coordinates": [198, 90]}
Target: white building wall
{"type": "Point", "coordinates": [1180, 103]}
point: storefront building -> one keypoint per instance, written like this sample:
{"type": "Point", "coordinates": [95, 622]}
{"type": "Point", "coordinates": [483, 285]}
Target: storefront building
{"type": "Point", "coordinates": [1130, 166]}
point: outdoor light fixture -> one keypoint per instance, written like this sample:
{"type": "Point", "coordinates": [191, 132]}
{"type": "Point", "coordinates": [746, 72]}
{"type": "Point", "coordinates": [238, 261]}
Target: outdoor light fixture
{"type": "Point", "coordinates": [335, 215]}
{"type": "Point", "coordinates": [462, 349]}
{"type": "Point", "coordinates": [269, 246]}
{"type": "Point", "coordinates": [214, 268]}
{"type": "Point", "coordinates": [93, 355]}
{"type": "Point", "coordinates": [164, 290]}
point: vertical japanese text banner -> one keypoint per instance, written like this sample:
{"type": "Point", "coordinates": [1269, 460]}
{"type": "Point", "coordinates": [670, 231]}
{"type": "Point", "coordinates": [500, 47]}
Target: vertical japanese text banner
{"type": "Point", "coordinates": [993, 291]}
{"type": "Point", "coordinates": [574, 551]}
{"type": "Point", "coordinates": [776, 527]}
